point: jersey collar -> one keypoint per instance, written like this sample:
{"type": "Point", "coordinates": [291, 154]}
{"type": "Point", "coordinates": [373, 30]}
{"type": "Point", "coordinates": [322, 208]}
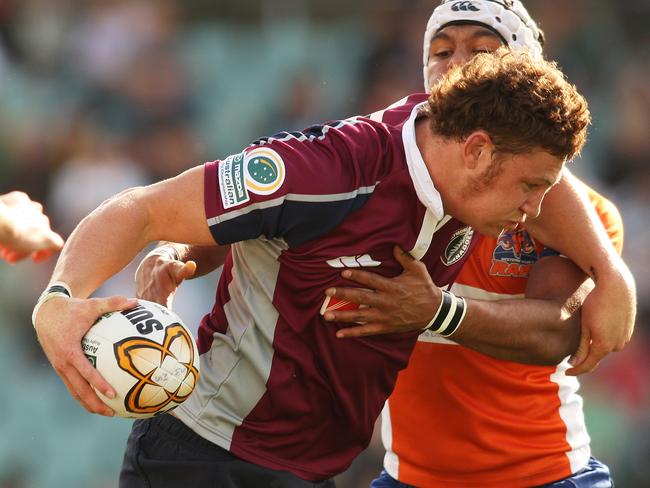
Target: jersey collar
{"type": "Point", "coordinates": [424, 187]}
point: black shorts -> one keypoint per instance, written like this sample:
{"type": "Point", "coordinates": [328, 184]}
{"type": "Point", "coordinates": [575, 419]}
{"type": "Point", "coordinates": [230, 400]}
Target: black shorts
{"type": "Point", "coordinates": [162, 452]}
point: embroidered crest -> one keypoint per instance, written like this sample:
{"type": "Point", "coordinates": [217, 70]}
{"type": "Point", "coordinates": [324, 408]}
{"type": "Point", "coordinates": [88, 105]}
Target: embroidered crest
{"type": "Point", "coordinates": [458, 246]}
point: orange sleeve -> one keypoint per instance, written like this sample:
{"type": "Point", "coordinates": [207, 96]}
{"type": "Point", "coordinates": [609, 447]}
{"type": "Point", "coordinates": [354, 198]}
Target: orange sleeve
{"type": "Point", "coordinates": [609, 216]}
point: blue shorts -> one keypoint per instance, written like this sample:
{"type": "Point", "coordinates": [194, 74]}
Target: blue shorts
{"type": "Point", "coordinates": [594, 475]}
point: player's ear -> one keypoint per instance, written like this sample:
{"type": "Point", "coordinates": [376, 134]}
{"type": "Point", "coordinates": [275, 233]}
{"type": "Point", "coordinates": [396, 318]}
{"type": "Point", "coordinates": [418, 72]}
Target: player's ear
{"type": "Point", "coordinates": [477, 150]}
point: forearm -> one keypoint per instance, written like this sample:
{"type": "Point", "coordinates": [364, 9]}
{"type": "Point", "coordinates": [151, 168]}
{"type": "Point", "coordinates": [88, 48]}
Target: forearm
{"type": "Point", "coordinates": [104, 243]}
{"type": "Point", "coordinates": [608, 313]}
{"type": "Point", "coordinates": [543, 328]}
{"type": "Point", "coordinates": [531, 331]}
{"type": "Point", "coordinates": [569, 224]}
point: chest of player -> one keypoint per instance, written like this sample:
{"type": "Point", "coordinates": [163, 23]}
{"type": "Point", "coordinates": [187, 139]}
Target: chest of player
{"type": "Point", "coordinates": [501, 265]}
{"type": "Point", "coordinates": [393, 215]}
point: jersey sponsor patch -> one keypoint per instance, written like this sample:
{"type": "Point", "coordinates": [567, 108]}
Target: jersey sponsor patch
{"type": "Point", "coordinates": [260, 171]}
{"type": "Point", "coordinates": [458, 246]}
{"type": "Point", "coordinates": [231, 181]}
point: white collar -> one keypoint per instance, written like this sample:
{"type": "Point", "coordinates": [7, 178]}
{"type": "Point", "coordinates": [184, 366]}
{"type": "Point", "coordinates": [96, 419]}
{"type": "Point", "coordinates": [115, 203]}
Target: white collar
{"type": "Point", "coordinates": [424, 187]}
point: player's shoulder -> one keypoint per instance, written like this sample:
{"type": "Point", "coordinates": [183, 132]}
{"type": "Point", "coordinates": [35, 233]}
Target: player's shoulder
{"type": "Point", "coordinates": [606, 209]}
{"type": "Point", "coordinates": [609, 216]}
{"type": "Point", "coordinates": [399, 111]}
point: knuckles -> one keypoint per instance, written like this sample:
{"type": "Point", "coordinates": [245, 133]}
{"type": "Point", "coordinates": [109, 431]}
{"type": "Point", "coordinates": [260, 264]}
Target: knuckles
{"type": "Point", "coordinates": [68, 357]}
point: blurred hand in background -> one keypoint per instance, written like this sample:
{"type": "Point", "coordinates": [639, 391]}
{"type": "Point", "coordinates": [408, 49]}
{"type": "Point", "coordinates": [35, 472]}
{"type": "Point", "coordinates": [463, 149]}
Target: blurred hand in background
{"type": "Point", "coordinates": [25, 229]}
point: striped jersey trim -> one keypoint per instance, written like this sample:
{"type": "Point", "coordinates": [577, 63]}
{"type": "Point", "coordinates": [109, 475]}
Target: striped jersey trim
{"type": "Point", "coordinates": [468, 291]}
{"type": "Point", "coordinates": [572, 415]}
{"type": "Point", "coordinates": [294, 197]}
{"type": "Point", "coordinates": [391, 461]}
{"type": "Point", "coordinates": [379, 115]}
{"type": "Point", "coordinates": [252, 320]}
{"type": "Point", "coordinates": [430, 226]}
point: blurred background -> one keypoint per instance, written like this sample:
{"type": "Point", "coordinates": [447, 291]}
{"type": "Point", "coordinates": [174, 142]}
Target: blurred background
{"type": "Point", "coordinates": [100, 95]}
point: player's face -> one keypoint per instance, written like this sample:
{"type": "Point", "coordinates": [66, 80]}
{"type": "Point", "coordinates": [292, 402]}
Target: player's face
{"type": "Point", "coordinates": [510, 195]}
{"type": "Point", "coordinates": [456, 44]}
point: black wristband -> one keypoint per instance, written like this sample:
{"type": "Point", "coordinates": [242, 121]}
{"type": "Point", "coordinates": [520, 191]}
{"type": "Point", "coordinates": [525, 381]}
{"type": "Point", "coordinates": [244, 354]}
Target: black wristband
{"type": "Point", "coordinates": [449, 316]}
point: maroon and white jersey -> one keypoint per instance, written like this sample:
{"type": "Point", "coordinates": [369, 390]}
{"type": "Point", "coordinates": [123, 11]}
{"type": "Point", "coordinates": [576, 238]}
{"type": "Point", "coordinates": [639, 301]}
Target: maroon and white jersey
{"type": "Point", "coordinates": [277, 388]}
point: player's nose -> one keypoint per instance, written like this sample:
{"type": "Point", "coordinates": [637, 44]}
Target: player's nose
{"type": "Point", "coordinates": [459, 58]}
{"type": "Point", "coordinates": [532, 206]}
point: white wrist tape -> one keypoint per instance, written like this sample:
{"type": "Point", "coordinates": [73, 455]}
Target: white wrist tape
{"type": "Point", "coordinates": [449, 316]}
{"type": "Point", "coordinates": [54, 290]}
{"type": "Point", "coordinates": [167, 251]}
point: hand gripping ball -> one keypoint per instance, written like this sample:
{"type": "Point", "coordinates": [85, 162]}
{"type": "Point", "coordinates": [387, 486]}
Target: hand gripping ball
{"type": "Point", "coordinates": [147, 355]}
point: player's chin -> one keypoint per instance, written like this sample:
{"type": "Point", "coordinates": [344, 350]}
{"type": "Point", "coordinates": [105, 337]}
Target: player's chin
{"type": "Point", "coordinates": [491, 229]}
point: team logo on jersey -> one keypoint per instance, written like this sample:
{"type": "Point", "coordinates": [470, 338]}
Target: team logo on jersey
{"type": "Point", "coordinates": [358, 261]}
{"type": "Point", "coordinates": [264, 171]}
{"type": "Point", "coordinates": [260, 171]}
{"type": "Point", "coordinates": [458, 246]}
{"type": "Point", "coordinates": [513, 255]}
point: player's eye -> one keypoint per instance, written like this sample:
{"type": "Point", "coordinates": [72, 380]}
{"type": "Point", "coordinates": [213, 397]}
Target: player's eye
{"type": "Point", "coordinates": [530, 186]}
{"type": "Point", "coordinates": [482, 50]}
{"type": "Point", "coordinates": [442, 53]}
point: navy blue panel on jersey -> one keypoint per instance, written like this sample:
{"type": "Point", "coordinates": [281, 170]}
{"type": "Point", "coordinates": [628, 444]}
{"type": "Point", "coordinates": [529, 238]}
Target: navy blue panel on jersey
{"type": "Point", "coordinates": [295, 222]}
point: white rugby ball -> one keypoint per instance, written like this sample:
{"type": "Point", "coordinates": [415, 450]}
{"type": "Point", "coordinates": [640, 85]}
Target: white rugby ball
{"type": "Point", "coordinates": [147, 355]}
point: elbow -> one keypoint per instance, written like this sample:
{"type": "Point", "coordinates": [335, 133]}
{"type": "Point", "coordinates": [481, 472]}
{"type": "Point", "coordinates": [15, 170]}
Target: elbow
{"type": "Point", "coordinates": [558, 341]}
{"type": "Point", "coordinates": [553, 355]}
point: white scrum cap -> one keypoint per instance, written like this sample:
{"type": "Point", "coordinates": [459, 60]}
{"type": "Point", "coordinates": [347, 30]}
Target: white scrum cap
{"type": "Point", "coordinates": [507, 18]}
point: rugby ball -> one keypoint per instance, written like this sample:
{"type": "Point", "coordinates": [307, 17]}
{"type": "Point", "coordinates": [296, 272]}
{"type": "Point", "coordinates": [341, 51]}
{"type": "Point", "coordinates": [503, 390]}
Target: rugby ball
{"type": "Point", "coordinates": [147, 355]}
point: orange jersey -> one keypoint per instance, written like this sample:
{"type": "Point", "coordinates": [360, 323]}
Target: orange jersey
{"type": "Point", "coordinates": [459, 418]}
